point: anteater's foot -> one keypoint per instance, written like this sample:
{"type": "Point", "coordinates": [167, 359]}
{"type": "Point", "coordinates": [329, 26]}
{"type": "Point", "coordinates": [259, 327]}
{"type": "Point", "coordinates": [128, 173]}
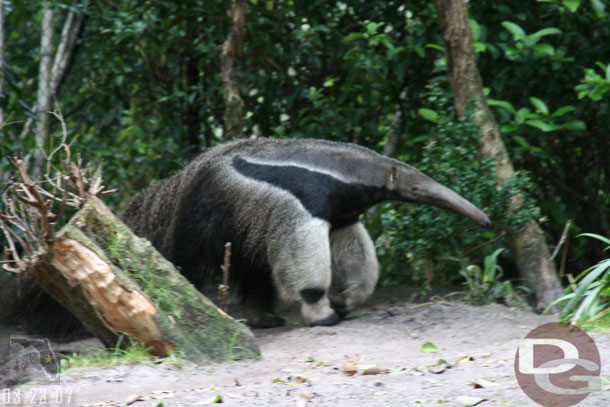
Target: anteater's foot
{"type": "Point", "coordinates": [331, 320]}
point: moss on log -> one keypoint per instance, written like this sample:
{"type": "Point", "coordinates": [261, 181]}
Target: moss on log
{"type": "Point", "coordinates": [117, 283]}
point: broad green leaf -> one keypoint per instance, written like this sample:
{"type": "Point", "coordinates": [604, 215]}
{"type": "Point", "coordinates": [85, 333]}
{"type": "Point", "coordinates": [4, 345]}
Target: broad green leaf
{"type": "Point", "coordinates": [596, 236]}
{"type": "Point", "coordinates": [522, 114]}
{"type": "Point", "coordinates": [533, 116]}
{"type": "Point", "coordinates": [476, 29]}
{"type": "Point", "coordinates": [373, 27]}
{"type": "Point", "coordinates": [507, 128]}
{"type": "Point", "coordinates": [592, 275]}
{"type": "Point", "coordinates": [429, 115]}
{"type": "Point", "coordinates": [491, 261]}
{"type": "Point", "coordinates": [583, 94]}
{"type": "Point", "coordinates": [539, 105]}
{"type": "Point", "coordinates": [479, 47]}
{"type": "Point", "coordinates": [514, 29]}
{"type": "Point", "coordinates": [429, 347]}
{"type": "Point", "coordinates": [557, 301]}
{"type": "Point", "coordinates": [353, 36]}
{"type": "Point", "coordinates": [539, 124]}
{"type": "Point", "coordinates": [563, 110]}
{"type": "Point", "coordinates": [573, 125]}
{"type": "Point", "coordinates": [521, 141]}
{"type": "Point", "coordinates": [598, 93]}
{"type": "Point", "coordinates": [502, 103]}
{"type": "Point", "coordinates": [436, 47]}
{"type": "Point", "coordinates": [329, 82]}
{"type": "Point", "coordinates": [587, 308]}
{"type": "Point", "coordinates": [600, 8]}
{"type": "Point", "coordinates": [545, 31]}
{"type": "Point", "coordinates": [572, 5]}
{"type": "Point", "coordinates": [545, 49]}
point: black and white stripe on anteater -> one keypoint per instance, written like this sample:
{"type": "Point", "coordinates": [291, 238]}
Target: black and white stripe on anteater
{"type": "Point", "coordinates": [291, 209]}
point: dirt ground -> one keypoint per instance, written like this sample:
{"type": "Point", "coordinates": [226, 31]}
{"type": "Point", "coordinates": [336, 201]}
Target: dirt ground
{"type": "Point", "coordinates": [304, 366]}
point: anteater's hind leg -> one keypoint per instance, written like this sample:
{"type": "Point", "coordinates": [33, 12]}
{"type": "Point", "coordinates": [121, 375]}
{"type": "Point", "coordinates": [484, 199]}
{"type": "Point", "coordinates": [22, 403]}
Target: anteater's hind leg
{"type": "Point", "coordinates": [355, 270]}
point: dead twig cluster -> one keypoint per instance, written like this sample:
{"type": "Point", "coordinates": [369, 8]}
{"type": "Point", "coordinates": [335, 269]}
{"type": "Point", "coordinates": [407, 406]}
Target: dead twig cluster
{"type": "Point", "coordinates": [32, 209]}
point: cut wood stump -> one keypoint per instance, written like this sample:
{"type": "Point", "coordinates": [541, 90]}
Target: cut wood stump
{"type": "Point", "coordinates": [116, 284]}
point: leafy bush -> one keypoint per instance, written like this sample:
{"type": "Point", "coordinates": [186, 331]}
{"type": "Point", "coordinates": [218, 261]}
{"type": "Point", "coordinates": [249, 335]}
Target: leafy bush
{"type": "Point", "coordinates": [588, 299]}
{"type": "Point", "coordinates": [485, 284]}
{"type": "Point", "coordinates": [418, 243]}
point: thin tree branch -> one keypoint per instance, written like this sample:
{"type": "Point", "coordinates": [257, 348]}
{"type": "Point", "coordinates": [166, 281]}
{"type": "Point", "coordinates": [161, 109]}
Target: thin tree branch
{"type": "Point", "coordinates": [566, 228]}
{"type": "Point", "coordinates": [60, 65]}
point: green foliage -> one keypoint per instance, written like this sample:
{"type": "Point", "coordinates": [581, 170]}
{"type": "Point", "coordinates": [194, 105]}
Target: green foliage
{"type": "Point", "coordinates": [528, 45]}
{"type": "Point", "coordinates": [143, 93]}
{"type": "Point", "coordinates": [589, 297]}
{"type": "Point", "coordinates": [541, 118]}
{"type": "Point", "coordinates": [129, 353]}
{"type": "Point", "coordinates": [433, 243]}
{"type": "Point", "coordinates": [571, 5]}
{"type": "Point", "coordinates": [486, 286]}
{"type": "Point", "coordinates": [123, 354]}
{"type": "Point", "coordinates": [594, 86]}
{"type": "Point", "coordinates": [562, 140]}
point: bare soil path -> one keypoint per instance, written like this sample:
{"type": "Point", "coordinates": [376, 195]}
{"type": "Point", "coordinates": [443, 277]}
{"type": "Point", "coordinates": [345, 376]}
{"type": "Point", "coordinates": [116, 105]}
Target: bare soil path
{"type": "Point", "coordinates": [307, 366]}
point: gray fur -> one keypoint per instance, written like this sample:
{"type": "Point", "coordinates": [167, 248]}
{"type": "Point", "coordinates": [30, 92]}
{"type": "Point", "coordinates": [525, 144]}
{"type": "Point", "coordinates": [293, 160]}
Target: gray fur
{"type": "Point", "coordinates": [276, 230]}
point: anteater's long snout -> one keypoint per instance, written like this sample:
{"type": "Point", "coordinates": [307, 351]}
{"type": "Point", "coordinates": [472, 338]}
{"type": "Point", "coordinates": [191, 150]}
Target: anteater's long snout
{"type": "Point", "coordinates": [433, 193]}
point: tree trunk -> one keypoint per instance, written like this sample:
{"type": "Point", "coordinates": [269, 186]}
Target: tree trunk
{"type": "Point", "coordinates": [116, 283]}
{"type": "Point", "coordinates": [528, 243]}
{"type": "Point", "coordinates": [69, 35]}
{"type": "Point", "coordinates": [43, 103]}
{"type": "Point", "coordinates": [229, 59]}
{"type": "Point", "coordinates": [391, 147]}
{"type": "Point", "coordinates": [61, 62]}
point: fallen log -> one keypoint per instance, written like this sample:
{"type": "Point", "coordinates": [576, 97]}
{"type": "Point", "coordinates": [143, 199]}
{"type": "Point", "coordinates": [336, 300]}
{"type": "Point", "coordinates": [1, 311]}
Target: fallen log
{"type": "Point", "coordinates": [116, 284]}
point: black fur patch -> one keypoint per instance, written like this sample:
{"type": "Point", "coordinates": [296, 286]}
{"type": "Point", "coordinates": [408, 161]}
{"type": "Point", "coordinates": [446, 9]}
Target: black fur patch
{"type": "Point", "coordinates": [324, 196]}
{"type": "Point", "coordinates": [341, 310]}
{"type": "Point", "coordinates": [312, 295]}
{"type": "Point", "coordinates": [203, 223]}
